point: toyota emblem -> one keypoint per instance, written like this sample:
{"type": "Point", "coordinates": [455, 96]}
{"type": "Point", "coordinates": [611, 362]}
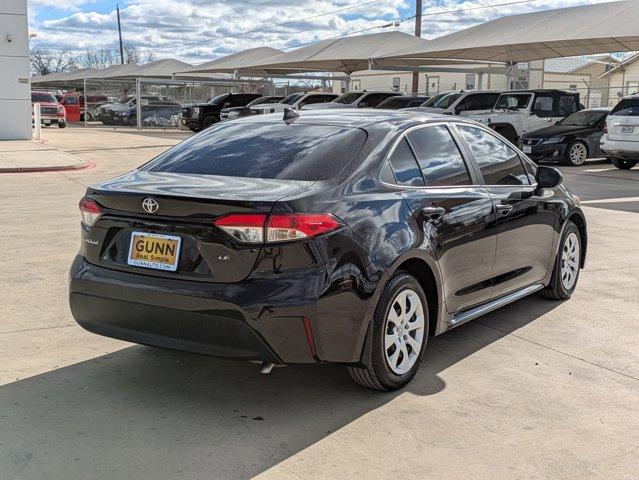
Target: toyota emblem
{"type": "Point", "coordinates": [150, 205]}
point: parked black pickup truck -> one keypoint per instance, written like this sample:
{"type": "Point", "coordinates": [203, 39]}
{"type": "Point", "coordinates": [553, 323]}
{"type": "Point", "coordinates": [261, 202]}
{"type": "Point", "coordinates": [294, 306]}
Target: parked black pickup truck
{"type": "Point", "coordinates": [200, 116]}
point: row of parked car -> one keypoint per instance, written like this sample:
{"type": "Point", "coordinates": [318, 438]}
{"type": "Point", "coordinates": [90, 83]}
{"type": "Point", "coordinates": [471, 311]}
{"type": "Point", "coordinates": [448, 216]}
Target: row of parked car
{"type": "Point", "coordinates": [549, 125]}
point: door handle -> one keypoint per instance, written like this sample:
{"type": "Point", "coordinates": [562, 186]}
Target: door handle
{"type": "Point", "coordinates": [432, 213]}
{"type": "Point", "coordinates": [503, 209]}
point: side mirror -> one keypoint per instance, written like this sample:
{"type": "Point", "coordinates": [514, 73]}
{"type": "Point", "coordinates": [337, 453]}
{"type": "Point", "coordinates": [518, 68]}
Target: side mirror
{"type": "Point", "coordinates": [548, 177]}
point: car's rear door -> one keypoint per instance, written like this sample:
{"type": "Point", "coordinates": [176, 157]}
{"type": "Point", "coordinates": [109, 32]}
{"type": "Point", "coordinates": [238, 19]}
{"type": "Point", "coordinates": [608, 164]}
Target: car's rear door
{"type": "Point", "coordinates": [455, 212]}
{"type": "Point", "coordinates": [526, 222]}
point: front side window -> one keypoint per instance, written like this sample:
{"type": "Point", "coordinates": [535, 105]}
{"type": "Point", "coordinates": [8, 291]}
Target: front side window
{"type": "Point", "coordinates": [512, 101]}
{"type": "Point", "coordinates": [446, 101]}
{"type": "Point", "coordinates": [405, 166]}
{"type": "Point", "coordinates": [438, 156]}
{"type": "Point", "coordinates": [303, 152]}
{"type": "Point", "coordinates": [499, 164]}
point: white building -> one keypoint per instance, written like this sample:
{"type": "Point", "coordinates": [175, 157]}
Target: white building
{"type": "Point", "coordinates": [15, 96]}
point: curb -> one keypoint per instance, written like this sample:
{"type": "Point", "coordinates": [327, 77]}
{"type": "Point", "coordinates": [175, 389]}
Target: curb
{"type": "Point", "coordinates": [81, 165]}
{"type": "Point", "coordinates": [61, 168]}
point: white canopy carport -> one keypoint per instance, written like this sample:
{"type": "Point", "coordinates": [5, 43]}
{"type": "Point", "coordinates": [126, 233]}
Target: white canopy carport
{"type": "Point", "coordinates": [564, 32]}
{"type": "Point", "coordinates": [231, 63]}
{"type": "Point", "coordinates": [158, 69]}
{"type": "Point", "coordinates": [346, 54]}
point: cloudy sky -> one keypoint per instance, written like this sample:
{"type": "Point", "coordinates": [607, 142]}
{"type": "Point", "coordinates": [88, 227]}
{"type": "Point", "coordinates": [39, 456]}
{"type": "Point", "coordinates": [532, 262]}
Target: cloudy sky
{"type": "Point", "coordinates": [200, 30]}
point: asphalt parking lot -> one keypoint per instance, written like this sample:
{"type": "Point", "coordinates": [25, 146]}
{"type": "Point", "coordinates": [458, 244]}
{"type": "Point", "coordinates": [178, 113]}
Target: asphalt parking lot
{"type": "Point", "coordinates": [536, 390]}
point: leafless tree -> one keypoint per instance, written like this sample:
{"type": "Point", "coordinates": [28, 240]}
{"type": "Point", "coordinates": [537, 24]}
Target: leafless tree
{"type": "Point", "coordinates": [102, 58]}
{"type": "Point", "coordinates": [131, 53]}
{"type": "Point", "coordinates": [44, 61]}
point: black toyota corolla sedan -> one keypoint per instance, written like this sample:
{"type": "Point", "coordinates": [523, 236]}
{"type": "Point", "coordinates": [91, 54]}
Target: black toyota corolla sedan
{"type": "Point", "coordinates": [572, 140]}
{"type": "Point", "coordinates": [347, 237]}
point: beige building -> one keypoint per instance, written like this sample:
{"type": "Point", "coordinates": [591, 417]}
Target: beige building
{"type": "Point", "coordinates": [583, 74]}
{"type": "Point", "coordinates": [623, 79]}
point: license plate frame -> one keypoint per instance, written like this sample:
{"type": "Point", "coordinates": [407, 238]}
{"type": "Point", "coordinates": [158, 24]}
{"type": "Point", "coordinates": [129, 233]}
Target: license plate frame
{"type": "Point", "coordinates": [627, 128]}
{"type": "Point", "coordinates": [155, 262]}
{"type": "Point", "coordinates": [527, 149]}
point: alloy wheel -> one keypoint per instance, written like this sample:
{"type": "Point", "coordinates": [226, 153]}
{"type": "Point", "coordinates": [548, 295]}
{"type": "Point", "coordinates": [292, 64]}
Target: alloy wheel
{"type": "Point", "coordinates": [578, 154]}
{"type": "Point", "coordinates": [570, 261]}
{"type": "Point", "coordinates": [404, 331]}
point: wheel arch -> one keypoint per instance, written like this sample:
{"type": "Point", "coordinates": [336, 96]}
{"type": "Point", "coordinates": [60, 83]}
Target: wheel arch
{"type": "Point", "coordinates": [578, 218]}
{"type": "Point", "coordinates": [513, 136]}
{"type": "Point", "coordinates": [423, 267]}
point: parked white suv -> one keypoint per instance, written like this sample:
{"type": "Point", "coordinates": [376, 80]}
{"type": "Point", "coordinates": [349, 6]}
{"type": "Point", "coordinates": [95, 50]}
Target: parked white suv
{"type": "Point", "coordinates": [521, 111]}
{"type": "Point", "coordinates": [356, 99]}
{"type": "Point", "coordinates": [621, 142]}
{"type": "Point", "coordinates": [294, 100]}
{"type": "Point", "coordinates": [462, 103]}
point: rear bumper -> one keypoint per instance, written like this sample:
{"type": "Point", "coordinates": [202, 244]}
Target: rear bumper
{"type": "Point", "coordinates": [222, 320]}
{"type": "Point", "coordinates": [620, 149]}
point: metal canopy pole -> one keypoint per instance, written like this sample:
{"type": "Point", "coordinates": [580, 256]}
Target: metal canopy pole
{"type": "Point", "coordinates": [86, 100]}
{"type": "Point", "coordinates": [138, 103]}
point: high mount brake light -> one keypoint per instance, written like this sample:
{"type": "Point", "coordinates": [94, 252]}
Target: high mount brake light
{"type": "Point", "coordinates": [279, 227]}
{"type": "Point", "coordinates": [90, 211]}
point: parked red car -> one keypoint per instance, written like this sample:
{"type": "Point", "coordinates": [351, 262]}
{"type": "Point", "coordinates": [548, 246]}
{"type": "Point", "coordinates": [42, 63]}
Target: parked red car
{"type": "Point", "coordinates": [74, 104]}
{"type": "Point", "coordinates": [52, 112]}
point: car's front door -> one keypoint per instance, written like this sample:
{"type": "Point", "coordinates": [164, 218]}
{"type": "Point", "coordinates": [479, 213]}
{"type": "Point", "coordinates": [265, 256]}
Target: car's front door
{"type": "Point", "coordinates": [542, 112]}
{"type": "Point", "coordinates": [454, 212]}
{"type": "Point", "coordinates": [525, 220]}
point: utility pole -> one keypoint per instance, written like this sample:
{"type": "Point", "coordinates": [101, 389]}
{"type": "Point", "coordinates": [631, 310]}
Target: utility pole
{"type": "Point", "coordinates": [418, 33]}
{"type": "Point", "coordinates": [117, 7]}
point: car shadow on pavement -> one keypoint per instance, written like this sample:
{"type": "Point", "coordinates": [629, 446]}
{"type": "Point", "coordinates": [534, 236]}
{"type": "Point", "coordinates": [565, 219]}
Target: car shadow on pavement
{"type": "Point", "coordinates": [143, 412]}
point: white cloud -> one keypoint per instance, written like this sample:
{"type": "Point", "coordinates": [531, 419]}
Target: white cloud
{"type": "Point", "coordinates": [198, 30]}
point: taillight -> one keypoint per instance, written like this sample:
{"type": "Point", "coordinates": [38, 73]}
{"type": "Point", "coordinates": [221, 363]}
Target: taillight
{"type": "Point", "coordinates": [279, 227]}
{"type": "Point", "coordinates": [246, 228]}
{"type": "Point", "coordinates": [294, 226]}
{"type": "Point", "coordinates": [605, 127]}
{"type": "Point", "coordinates": [90, 211]}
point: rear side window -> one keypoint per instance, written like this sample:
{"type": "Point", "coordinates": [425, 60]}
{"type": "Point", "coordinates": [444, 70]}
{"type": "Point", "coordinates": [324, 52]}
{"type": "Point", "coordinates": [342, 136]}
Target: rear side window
{"type": "Point", "coordinates": [405, 166]}
{"type": "Point", "coordinates": [499, 164]}
{"type": "Point", "coordinates": [438, 156]}
{"type": "Point", "coordinates": [264, 150]}
{"type": "Point", "coordinates": [628, 107]}
{"type": "Point", "coordinates": [567, 105]}
{"type": "Point", "coordinates": [543, 106]}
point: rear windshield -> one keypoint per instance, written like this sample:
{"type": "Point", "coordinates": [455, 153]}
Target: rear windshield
{"type": "Point", "coordinates": [628, 107]}
{"type": "Point", "coordinates": [264, 150]}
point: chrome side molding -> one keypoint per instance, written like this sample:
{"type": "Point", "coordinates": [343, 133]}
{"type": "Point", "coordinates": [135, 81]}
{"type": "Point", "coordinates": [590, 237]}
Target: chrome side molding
{"type": "Point", "coordinates": [475, 312]}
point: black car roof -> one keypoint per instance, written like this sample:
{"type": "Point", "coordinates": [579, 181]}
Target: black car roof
{"type": "Point", "coordinates": [358, 117]}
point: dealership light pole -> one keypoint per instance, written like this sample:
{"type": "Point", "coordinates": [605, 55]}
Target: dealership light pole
{"type": "Point", "coordinates": [117, 8]}
{"type": "Point", "coordinates": [418, 33]}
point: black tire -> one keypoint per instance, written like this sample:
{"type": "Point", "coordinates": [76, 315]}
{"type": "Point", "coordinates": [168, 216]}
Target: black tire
{"type": "Point", "coordinates": [556, 290]}
{"type": "Point", "coordinates": [62, 124]}
{"type": "Point", "coordinates": [622, 163]}
{"type": "Point", "coordinates": [569, 160]}
{"type": "Point", "coordinates": [379, 376]}
{"type": "Point", "coordinates": [208, 121]}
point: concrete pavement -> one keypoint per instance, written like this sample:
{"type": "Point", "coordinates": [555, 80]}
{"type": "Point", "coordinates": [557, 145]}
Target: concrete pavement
{"type": "Point", "coordinates": [32, 156]}
{"type": "Point", "coordinates": [536, 390]}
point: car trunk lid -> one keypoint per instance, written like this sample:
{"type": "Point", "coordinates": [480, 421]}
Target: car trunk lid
{"type": "Point", "coordinates": [186, 207]}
